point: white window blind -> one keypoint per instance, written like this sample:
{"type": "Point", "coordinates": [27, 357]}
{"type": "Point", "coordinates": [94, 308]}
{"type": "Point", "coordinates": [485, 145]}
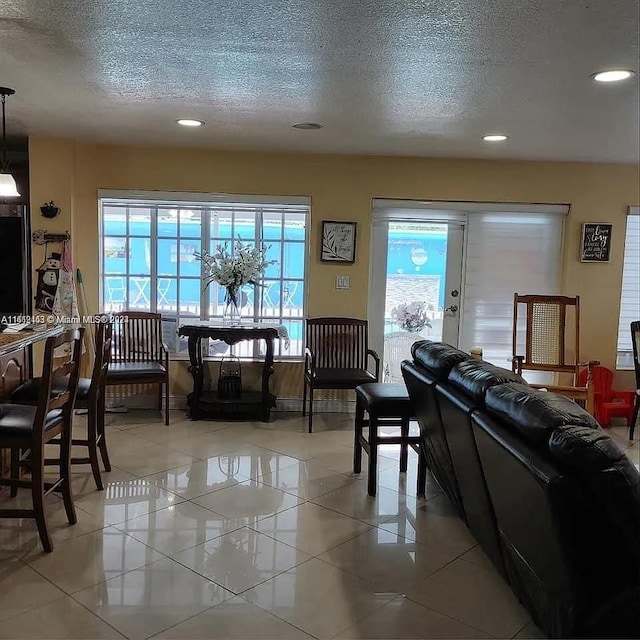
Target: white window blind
{"type": "Point", "coordinates": [630, 297]}
{"type": "Point", "coordinates": [506, 253]}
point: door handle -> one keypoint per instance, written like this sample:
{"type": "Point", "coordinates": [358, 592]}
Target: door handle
{"type": "Point", "coordinates": [453, 309]}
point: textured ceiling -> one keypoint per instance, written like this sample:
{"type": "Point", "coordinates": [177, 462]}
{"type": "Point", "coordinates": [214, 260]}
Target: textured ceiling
{"type": "Point", "coordinates": [411, 77]}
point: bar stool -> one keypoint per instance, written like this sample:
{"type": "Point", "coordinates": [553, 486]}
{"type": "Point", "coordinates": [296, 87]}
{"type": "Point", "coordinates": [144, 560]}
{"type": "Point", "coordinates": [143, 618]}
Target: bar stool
{"type": "Point", "coordinates": [386, 405]}
{"type": "Point", "coordinates": [90, 396]}
{"type": "Point", "coordinates": [25, 430]}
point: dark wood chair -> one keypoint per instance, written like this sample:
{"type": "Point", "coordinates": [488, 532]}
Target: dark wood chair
{"type": "Point", "coordinates": [336, 357]}
{"type": "Point", "coordinates": [138, 353]}
{"type": "Point", "coordinates": [635, 341]}
{"type": "Point", "coordinates": [90, 396]}
{"type": "Point", "coordinates": [25, 429]}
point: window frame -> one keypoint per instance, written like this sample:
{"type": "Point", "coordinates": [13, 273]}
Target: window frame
{"type": "Point", "coordinates": [208, 206]}
{"type": "Point", "coordinates": [624, 357]}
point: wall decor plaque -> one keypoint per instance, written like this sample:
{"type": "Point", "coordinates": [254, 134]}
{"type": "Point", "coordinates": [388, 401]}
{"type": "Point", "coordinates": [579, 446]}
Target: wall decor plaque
{"type": "Point", "coordinates": [338, 241]}
{"type": "Point", "coordinates": [595, 245]}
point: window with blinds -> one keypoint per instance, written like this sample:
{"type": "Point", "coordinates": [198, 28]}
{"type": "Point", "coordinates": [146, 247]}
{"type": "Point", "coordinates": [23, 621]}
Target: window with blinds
{"type": "Point", "coordinates": [630, 297]}
{"type": "Point", "coordinates": [506, 253]}
{"type": "Point", "coordinates": [148, 260]}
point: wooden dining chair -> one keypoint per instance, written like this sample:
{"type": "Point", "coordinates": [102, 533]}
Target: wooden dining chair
{"type": "Point", "coordinates": [26, 429]}
{"type": "Point", "coordinates": [336, 357]}
{"type": "Point", "coordinates": [138, 353]}
{"type": "Point", "coordinates": [90, 396]}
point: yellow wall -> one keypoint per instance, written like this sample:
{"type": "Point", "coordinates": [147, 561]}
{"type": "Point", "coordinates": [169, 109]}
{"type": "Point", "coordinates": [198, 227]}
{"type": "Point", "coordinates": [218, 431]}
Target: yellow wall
{"type": "Point", "coordinates": [342, 187]}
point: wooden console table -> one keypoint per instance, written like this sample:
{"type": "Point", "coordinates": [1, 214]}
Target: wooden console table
{"type": "Point", "coordinates": [209, 404]}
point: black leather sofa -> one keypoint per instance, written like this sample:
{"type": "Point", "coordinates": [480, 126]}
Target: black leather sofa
{"type": "Point", "coordinates": [552, 500]}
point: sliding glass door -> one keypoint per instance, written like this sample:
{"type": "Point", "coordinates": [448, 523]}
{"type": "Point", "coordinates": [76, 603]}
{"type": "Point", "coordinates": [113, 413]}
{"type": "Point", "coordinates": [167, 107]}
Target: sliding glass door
{"type": "Point", "coordinates": [448, 272]}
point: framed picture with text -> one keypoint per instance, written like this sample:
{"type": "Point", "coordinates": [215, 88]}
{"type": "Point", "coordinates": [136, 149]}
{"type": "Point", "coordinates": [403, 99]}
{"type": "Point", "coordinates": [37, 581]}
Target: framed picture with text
{"type": "Point", "coordinates": [338, 241]}
{"type": "Point", "coordinates": [595, 244]}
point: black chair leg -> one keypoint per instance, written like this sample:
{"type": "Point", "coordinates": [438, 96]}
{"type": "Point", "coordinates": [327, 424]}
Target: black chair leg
{"type": "Point", "coordinates": [166, 402]}
{"type": "Point", "coordinates": [102, 436]}
{"type": "Point", "coordinates": [310, 409]}
{"type": "Point", "coordinates": [15, 471]}
{"type": "Point", "coordinates": [65, 474]}
{"type": "Point", "coordinates": [422, 473]}
{"type": "Point", "coordinates": [37, 496]}
{"type": "Point", "coordinates": [404, 453]}
{"type": "Point", "coordinates": [92, 445]}
{"type": "Point", "coordinates": [304, 397]}
{"type": "Point", "coordinates": [357, 445]}
{"type": "Point", "coordinates": [632, 426]}
{"type": "Point", "coordinates": [373, 455]}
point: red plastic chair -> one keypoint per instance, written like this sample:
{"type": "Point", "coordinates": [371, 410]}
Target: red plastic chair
{"type": "Point", "coordinates": [608, 403]}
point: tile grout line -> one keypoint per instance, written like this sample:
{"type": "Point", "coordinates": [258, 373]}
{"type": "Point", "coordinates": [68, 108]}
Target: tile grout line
{"type": "Point", "coordinates": [64, 594]}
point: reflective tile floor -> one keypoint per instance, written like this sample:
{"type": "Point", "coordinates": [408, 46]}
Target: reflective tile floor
{"type": "Point", "coordinates": [250, 530]}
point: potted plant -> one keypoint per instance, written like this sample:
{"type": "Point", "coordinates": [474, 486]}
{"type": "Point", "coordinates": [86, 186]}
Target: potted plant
{"type": "Point", "coordinates": [49, 209]}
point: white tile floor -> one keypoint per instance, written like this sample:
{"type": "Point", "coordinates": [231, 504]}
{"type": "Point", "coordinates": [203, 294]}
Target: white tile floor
{"type": "Point", "coordinates": [251, 530]}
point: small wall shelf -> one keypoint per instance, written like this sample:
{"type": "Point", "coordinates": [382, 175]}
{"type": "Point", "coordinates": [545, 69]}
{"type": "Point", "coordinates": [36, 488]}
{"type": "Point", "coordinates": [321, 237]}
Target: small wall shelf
{"type": "Point", "coordinates": [42, 237]}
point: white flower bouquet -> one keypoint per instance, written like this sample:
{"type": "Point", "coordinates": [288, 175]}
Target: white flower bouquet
{"type": "Point", "coordinates": [234, 267]}
{"type": "Point", "coordinates": [411, 317]}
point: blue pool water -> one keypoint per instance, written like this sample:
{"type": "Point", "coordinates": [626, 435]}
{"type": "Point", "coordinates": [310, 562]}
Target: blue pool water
{"type": "Point", "coordinates": [417, 253]}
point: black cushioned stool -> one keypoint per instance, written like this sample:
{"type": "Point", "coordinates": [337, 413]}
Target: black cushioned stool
{"type": "Point", "coordinates": [386, 405]}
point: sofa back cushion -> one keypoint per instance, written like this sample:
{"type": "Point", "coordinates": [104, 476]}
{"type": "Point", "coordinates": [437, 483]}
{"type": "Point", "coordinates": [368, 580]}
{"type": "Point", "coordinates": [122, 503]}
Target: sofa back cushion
{"type": "Point", "coordinates": [438, 357]}
{"type": "Point", "coordinates": [609, 477]}
{"type": "Point", "coordinates": [474, 378]}
{"type": "Point", "coordinates": [535, 414]}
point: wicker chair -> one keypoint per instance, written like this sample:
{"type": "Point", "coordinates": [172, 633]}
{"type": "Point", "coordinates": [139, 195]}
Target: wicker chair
{"type": "Point", "coordinates": [336, 357]}
{"type": "Point", "coordinates": [545, 344]}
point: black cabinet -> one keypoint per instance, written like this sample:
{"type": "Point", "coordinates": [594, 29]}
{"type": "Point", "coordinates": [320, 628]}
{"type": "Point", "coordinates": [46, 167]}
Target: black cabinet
{"type": "Point", "coordinates": [15, 268]}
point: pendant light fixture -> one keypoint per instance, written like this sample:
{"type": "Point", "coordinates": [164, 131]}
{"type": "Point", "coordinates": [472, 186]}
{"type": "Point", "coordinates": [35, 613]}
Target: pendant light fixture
{"type": "Point", "coordinates": [7, 183]}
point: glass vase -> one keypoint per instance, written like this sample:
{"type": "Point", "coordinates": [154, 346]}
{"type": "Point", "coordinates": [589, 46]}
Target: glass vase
{"type": "Point", "coordinates": [231, 315]}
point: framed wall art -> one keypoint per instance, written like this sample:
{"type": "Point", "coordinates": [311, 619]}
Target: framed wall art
{"type": "Point", "coordinates": [595, 245]}
{"type": "Point", "coordinates": [338, 241]}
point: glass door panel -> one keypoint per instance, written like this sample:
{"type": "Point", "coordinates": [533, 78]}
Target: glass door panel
{"type": "Point", "coordinates": [421, 270]}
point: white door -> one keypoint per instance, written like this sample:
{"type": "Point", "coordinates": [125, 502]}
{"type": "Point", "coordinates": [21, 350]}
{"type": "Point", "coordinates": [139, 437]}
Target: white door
{"type": "Point", "coordinates": [416, 286]}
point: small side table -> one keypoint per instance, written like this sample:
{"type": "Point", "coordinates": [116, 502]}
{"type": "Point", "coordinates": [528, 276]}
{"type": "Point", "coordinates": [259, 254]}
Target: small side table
{"type": "Point", "coordinates": [209, 404]}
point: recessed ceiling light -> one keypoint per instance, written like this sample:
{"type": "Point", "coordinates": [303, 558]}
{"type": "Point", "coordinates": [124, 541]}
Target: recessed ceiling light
{"type": "Point", "coordinates": [188, 122]}
{"type": "Point", "coordinates": [494, 137]}
{"type": "Point", "coordinates": [307, 126]}
{"type": "Point", "coordinates": [613, 75]}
